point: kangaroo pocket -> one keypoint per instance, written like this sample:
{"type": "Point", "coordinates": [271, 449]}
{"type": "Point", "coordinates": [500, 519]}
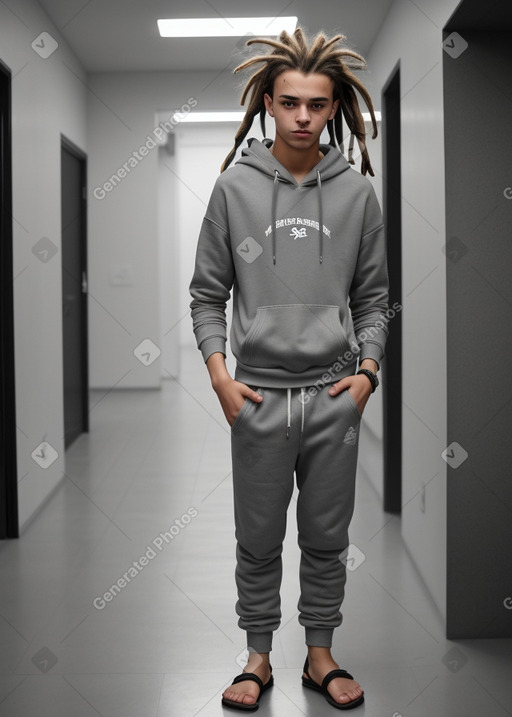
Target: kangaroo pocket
{"type": "Point", "coordinates": [294, 337]}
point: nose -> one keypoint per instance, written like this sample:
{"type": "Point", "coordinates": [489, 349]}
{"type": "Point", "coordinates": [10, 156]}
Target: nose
{"type": "Point", "coordinates": [303, 114]}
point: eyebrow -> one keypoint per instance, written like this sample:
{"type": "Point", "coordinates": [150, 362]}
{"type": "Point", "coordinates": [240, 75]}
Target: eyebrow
{"type": "Point", "coordinates": [312, 99]}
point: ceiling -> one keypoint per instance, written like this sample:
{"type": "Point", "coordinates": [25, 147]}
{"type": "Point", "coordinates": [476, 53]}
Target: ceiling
{"type": "Point", "coordinates": [122, 35]}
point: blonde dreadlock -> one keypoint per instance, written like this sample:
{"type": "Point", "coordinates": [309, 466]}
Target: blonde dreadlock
{"type": "Point", "coordinates": [292, 53]}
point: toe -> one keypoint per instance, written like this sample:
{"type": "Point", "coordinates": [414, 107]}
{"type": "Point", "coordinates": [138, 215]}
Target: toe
{"type": "Point", "coordinates": [243, 697]}
{"type": "Point", "coordinates": [343, 697]}
{"type": "Point", "coordinates": [349, 694]}
{"type": "Point", "coordinates": [230, 695]}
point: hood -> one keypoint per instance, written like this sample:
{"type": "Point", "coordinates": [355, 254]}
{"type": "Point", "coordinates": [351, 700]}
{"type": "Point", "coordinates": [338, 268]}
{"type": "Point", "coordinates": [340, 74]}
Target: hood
{"type": "Point", "coordinates": [258, 156]}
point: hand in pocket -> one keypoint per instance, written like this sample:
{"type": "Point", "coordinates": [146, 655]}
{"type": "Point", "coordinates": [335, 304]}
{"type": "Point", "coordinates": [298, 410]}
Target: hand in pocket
{"type": "Point", "coordinates": [359, 388]}
{"type": "Point", "coordinates": [232, 396]}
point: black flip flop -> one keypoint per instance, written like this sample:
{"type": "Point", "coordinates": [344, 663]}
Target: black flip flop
{"type": "Point", "coordinates": [263, 688]}
{"type": "Point", "coordinates": [308, 682]}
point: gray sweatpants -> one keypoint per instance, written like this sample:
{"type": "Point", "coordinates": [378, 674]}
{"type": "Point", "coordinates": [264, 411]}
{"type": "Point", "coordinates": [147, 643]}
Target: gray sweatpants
{"type": "Point", "coordinates": [314, 435]}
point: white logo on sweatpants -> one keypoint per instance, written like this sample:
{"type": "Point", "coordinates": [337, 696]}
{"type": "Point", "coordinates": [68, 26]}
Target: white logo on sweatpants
{"type": "Point", "coordinates": [350, 436]}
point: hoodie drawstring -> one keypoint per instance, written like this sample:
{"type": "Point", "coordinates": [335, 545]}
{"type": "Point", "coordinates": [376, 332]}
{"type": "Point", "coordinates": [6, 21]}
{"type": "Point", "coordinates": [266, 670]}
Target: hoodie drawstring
{"type": "Point", "coordinates": [289, 410]}
{"type": "Point", "coordinates": [320, 215]}
{"type": "Point", "coordinates": [289, 402]}
{"type": "Point", "coordinates": [351, 150]}
{"type": "Point", "coordinates": [273, 214]}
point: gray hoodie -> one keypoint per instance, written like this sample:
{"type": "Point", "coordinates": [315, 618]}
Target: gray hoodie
{"type": "Point", "coordinates": [307, 265]}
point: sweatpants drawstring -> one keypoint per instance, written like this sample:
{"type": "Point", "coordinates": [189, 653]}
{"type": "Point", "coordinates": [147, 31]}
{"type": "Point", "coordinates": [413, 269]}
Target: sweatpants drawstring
{"type": "Point", "coordinates": [289, 408]}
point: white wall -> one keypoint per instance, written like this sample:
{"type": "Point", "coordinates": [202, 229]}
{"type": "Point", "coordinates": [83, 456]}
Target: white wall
{"type": "Point", "coordinates": [125, 226]}
{"type": "Point", "coordinates": [413, 34]}
{"type": "Point", "coordinates": [48, 98]}
{"type": "Point", "coordinates": [204, 147]}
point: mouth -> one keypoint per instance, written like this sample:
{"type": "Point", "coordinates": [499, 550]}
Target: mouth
{"type": "Point", "coordinates": [301, 133]}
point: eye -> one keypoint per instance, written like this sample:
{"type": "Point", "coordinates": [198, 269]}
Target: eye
{"type": "Point", "coordinates": [288, 103]}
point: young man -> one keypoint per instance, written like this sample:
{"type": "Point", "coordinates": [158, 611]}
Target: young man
{"type": "Point", "coordinates": [299, 237]}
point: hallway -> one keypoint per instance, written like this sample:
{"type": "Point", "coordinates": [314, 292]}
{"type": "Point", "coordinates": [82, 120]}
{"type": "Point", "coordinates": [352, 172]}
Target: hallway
{"type": "Point", "coordinates": [166, 643]}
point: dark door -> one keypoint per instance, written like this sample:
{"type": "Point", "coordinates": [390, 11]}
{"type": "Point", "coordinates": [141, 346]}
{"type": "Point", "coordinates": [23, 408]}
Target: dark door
{"type": "Point", "coordinates": [392, 369]}
{"type": "Point", "coordinates": [74, 292]}
{"type": "Point", "coordinates": [8, 461]}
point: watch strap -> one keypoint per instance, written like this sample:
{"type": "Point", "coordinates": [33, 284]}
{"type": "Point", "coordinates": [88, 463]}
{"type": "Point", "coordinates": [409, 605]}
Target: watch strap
{"type": "Point", "coordinates": [371, 376]}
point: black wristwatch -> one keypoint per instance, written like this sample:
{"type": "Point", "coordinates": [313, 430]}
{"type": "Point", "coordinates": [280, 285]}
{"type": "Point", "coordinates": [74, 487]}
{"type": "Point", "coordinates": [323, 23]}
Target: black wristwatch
{"type": "Point", "coordinates": [371, 376]}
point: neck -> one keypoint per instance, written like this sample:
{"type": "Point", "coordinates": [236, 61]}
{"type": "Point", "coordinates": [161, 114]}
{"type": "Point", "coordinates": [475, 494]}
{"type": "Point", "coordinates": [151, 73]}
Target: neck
{"type": "Point", "coordinates": [299, 162]}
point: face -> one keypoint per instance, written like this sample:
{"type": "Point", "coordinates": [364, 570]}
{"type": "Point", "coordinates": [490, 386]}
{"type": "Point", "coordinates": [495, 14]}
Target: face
{"type": "Point", "coordinates": [301, 106]}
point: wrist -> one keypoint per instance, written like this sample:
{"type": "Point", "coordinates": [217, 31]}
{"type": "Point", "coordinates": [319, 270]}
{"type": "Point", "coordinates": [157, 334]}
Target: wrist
{"type": "Point", "coordinates": [369, 364]}
{"type": "Point", "coordinates": [219, 374]}
{"type": "Point", "coordinates": [220, 380]}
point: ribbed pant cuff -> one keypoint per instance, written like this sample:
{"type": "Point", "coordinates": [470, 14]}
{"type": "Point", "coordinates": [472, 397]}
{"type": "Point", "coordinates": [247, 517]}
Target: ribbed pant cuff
{"type": "Point", "coordinates": [259, 641]}
{"type": "Point", "coordinates": [319, 637]}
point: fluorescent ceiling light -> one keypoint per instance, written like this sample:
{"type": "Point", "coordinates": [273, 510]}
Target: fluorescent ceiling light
{"type": "Point", "coordinates": [209, 117]}
{"type": "Point", "coordinates": [232, 117]}
{"type": "Point", "coordinates": [226, 26]}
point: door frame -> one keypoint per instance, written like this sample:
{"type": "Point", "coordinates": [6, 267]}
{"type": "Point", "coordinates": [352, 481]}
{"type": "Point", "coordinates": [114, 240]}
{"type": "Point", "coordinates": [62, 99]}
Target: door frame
{"type": "Point", "coordinates": [392, 368]}
{"type": "Point", "coordinates": [69, 146]}
{"type": "Point", "coordinates": [9, 520]}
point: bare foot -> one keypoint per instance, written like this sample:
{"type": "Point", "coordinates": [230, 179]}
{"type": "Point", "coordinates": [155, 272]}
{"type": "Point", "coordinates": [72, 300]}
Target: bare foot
{"type": "Point", "coordinates": [321, 662]}
{"type": "Point", "coordinates": [249, 691]}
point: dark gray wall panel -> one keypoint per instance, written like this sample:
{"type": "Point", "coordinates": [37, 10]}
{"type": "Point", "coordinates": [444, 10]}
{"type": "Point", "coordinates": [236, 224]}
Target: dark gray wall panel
{"type": "Point", "coordinates": [478, 151]}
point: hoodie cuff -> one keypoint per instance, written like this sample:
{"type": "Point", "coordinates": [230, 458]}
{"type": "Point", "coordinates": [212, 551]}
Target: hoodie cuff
{"type": "Point", "coordinates": [211, 346]}
{"type": "Point", "coordinates": [371, 351]}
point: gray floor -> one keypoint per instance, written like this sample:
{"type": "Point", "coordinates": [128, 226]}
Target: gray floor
{"type": "Point", "coordinates": [167, 643]}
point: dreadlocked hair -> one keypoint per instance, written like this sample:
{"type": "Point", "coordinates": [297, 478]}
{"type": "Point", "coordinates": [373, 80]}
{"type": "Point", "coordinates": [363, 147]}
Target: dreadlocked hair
{"type": "Point", "coordinates": [291, 52]}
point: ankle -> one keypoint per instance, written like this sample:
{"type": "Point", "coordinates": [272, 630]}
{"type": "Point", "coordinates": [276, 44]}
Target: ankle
{"type": "Point", "coordinates": [317, 654]}
{"type": "Point", "coordinates": [257, 660]}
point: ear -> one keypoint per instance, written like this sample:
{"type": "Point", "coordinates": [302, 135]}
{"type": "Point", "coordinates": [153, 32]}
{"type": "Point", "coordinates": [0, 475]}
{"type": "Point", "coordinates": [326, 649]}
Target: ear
{"type": "Point", "coordinates": [268, 104]}
{"type": "Point", "coordinates": [335, 106]}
